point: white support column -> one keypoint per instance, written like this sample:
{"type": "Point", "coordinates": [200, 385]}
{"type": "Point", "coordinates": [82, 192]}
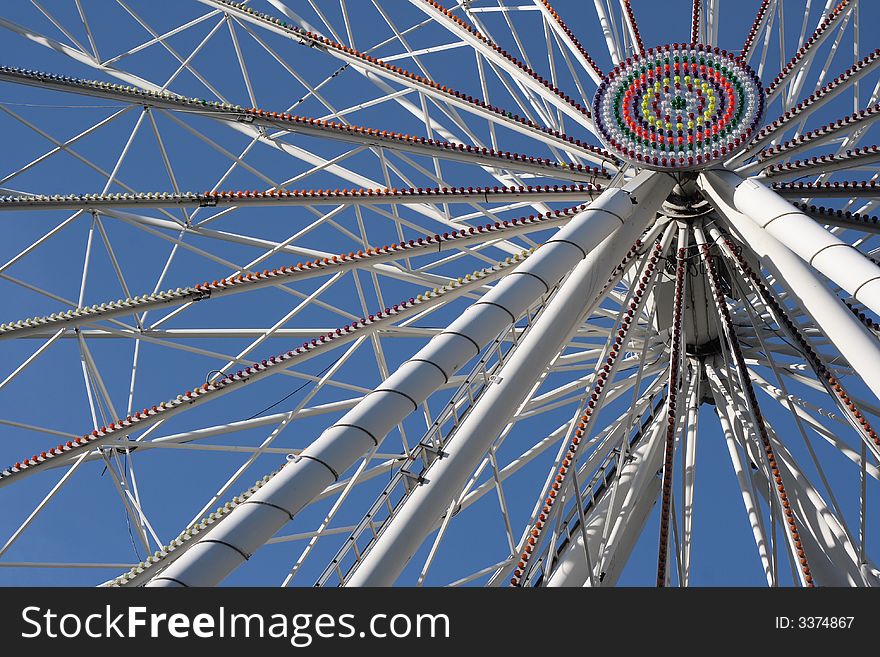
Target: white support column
{"type": "Point", "coordinates": [418, 514]}
{"type": "Point", "coordinates": [839, 261]}
{"type": "Point", "coordinates": [638, 488]}
{"type": "Point", "coordinates": [320, 464]}
{"type": "Point", "coordinates": [851, 338]}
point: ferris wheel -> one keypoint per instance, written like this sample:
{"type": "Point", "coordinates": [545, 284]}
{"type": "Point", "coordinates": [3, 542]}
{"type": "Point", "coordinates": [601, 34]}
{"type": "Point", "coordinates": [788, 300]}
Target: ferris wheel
{"type": "Point", "coordinates": [477, 292]}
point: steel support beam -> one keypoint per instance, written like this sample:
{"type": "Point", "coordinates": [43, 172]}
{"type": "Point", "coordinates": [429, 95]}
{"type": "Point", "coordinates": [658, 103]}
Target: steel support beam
{"type": "Point", "coordinates": [416, 518]}
{"type": "Point", "coordinates": [852, 339]}
{"type": "Point", "coordinates": [839, 261]}
{"type": "Point", "coordinates": [250, 525]}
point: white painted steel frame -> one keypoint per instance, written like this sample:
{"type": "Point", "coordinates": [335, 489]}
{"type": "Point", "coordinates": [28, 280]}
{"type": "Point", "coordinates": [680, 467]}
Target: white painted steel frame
{"type": "Point", "coordinates": [367, 424]}
{"type": "Point", "coordinates": [783, 238]}
{"type": "Point", "coordinates": [576, 298]}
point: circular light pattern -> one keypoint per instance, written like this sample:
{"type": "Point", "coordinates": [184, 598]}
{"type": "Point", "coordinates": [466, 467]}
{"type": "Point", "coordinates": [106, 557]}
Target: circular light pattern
{"type": "Point", "coordinates": [678, 107]}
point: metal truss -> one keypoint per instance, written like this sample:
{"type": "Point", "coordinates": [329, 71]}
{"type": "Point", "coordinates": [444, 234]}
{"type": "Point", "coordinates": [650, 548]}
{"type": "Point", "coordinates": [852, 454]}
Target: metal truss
{"type": "Point", "coordinates": [458, 341]}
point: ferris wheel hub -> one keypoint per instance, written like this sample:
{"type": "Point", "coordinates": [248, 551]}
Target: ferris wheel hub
{"type": "Point", "coordinates": [680, 107]}
{"type": "Point", "coordinates": [685, 202]}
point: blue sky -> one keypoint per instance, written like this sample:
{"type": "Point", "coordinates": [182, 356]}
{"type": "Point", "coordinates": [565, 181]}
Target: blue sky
{"type": "Point", "coordinates": [86, 522]}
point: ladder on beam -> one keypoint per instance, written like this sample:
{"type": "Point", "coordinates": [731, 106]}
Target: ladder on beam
{"type": "Point", "coordinates": [429, 448]}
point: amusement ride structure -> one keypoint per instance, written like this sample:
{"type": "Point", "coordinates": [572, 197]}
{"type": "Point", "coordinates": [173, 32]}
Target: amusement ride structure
{"type": "Point", "coordinates": [487, 323]}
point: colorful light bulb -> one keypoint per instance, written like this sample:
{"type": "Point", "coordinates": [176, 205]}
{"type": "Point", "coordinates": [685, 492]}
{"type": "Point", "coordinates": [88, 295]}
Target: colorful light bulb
{"type": "Point", "coordinates": [679, 107]}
